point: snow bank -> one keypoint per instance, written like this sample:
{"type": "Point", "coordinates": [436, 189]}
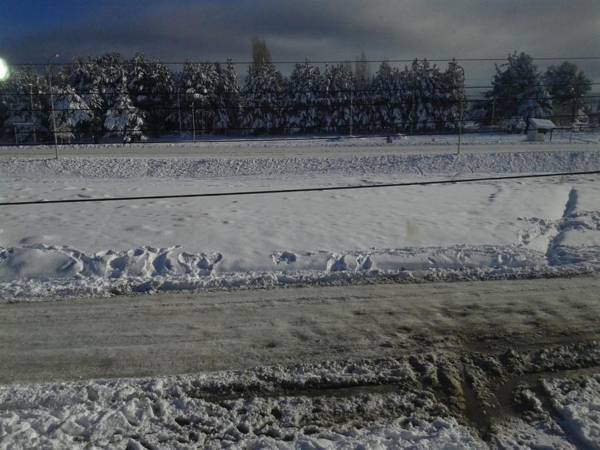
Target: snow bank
{"type": "Point", "coordinates": [577, 401]}
{"type": "Point", "coordinates": [189, 167]}
{"type": "Point", "coordinates": [48, 271]}
{"type": "Point", "coordinates": [197, 412]}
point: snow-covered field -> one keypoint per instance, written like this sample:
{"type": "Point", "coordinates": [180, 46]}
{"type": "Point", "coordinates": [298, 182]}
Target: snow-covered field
{"type": "Point", "coordinates": [464, 231]}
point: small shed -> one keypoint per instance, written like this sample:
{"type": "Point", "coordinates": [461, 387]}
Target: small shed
{"type": "Point", "coordinates": [538, 129]}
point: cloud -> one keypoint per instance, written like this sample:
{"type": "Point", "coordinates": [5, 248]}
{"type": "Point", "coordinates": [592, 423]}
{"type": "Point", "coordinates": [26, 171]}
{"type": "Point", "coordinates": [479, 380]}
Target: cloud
{"type": "Point", "coordinates": [324, 29]}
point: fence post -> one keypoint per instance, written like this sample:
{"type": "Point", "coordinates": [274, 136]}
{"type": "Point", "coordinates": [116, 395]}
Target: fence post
{"type": "Point", "coordinates": [179, 112]}
{"type": "Point", "coordinates": [32, 119]}
{"type": "Point", "coordinates": [351, 110]}
{"type": "Point", "coordinates": [462, 109]}
{"type": "Point", "coordinates": [194, 120]}
{"type": "Point", "coordinates": [53, 115]}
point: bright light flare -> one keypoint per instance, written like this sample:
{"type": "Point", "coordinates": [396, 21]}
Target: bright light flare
{"type": "Point", "coordinates": [4, 73]}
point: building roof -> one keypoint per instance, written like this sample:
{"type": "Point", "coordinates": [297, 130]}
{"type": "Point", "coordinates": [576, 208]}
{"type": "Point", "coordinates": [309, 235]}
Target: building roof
{"type": "Point", "coordinates": [542, 124]}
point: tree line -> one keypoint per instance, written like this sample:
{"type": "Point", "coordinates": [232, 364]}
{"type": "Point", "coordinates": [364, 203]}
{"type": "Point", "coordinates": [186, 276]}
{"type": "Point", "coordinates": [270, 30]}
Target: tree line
{"type": "Point", "coordinates": [96, 98]}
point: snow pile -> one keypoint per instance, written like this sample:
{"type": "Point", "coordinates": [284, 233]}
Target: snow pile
{"type": "Point", "coordinates": [41, 270]}
{"type": "Point", "coordinates": [71, 272]}
{"type": "Point", "coordinates": [234, 410]}
{"type": "Point", "coordinates": [577, 402]}
{"type": "Point", "coordinates": [413, 164]}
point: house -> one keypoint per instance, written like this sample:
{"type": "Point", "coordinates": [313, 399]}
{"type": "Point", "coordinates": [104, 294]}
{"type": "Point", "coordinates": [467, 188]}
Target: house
{"type": "Point", "coordinates": [538, 129]}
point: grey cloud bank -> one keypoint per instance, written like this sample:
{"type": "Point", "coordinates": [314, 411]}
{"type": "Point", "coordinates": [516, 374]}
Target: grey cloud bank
{"type": "Point", "coordinates": [325, 29]}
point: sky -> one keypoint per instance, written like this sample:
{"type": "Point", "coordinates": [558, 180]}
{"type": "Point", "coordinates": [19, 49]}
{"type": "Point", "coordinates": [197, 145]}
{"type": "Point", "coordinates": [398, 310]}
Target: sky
{"type": "Point", "coordinates": [176, 30]}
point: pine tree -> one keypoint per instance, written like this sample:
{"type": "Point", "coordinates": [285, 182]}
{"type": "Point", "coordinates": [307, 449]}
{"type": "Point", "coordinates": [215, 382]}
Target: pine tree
{"type": "Point", "coordinates": [449, 96]}
{"type": "Point", "coordinates": [123, 119]}
{"type": "Point", "coordinates": [25, 101]}
{"type": "Point", "coordinates": [517, 90]}
{"type": "Point", "coordinates": [391, 98]}
{"type": "Point", "coordinates": [152, 90]}
{"type": "Point", "coordinates": [422, 80]}
{"type": "Point", "coordinates": [72, 114]}
{"type": "Point", "coordinates": [567, 85]}
{"type": "Point", "coordinates": [362, 102]}
{"type": "Point", "coordinates": [228, 97]}
{"type": "Point", "coordinates": [100, 82]}
{"type": "Point", "coordinates": [303, 97]}
{"type": "Point", "coordinates": [263, 94]}
{"type": "Point", "coordinates": [200, 85]}
{"type": "Point", "coordinates": [337, 105]}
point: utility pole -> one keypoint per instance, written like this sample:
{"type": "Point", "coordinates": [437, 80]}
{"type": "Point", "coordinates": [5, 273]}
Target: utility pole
{"type": "Point", "coordinates": [194, 120]}
{"type": "Point", "coordinates": [179, 112]}
{"type": "Point", "coordinates": [462, 110]}
{"type": "Point", "coordinates": [351, 110]}
{"type": "Point", "coordinates": [32, 120]}
{"type": "Point", "coordinates": [52, 106]}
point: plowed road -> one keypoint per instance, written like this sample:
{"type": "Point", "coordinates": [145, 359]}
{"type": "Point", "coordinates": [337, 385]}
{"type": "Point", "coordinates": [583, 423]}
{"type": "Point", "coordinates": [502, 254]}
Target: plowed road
{"type": "Point", "coordinates": [193, 332]}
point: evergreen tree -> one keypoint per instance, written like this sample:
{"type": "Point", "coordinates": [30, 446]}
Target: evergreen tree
{"type": "Point", "coordinates": [72, 114]}
{"type": "Point", "coordinates": [517, 90]}
{"type": "Point", "coordinates": [228, 97]}
{"type": "Point", "coordinates": [200, 83]}
{"type": "Point", "coordinates": [362, 102]}
{"type": "Point", "coordinates": [391, 97]}
{"type": "Point", "coordinates": [261, 55]}
{"type": "Point", "coordinates": [567, 85]}
{"type": "Point", "coordinates": [124, 119]}
{"type": "Point", "coordinates": [25, 100]}
{"type": "Point", "coordinates": [263, 93]}
{"type": "Point", "coordinates": [362, 75]}
{"type": "Point", "coordinates": [151, 87]}
{"type": "Point", "coordinates": [422, 80]}
{"type": "Point", "coordinates": [336, 107]}
{"type": "Point", "coordinates": [101, 82]}
{"type": "Point", "coordinates": [303, 98]}
{"type": "Point", "coordinates": [449, 96]}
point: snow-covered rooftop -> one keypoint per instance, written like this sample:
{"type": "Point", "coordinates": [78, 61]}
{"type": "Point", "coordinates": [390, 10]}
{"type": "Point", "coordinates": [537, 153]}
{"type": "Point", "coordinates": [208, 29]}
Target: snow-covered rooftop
{"type": "Point", "coordinates": [542, 124]}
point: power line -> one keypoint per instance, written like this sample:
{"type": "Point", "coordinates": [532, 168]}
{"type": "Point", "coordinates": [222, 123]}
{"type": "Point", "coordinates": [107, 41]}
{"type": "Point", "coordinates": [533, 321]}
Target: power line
{"type": "Point", "coordinates": [185, 94]}
{"type": "Point", "coordinates": [298, 190]}
{"type": "Point", "coordinates": [308, 61]}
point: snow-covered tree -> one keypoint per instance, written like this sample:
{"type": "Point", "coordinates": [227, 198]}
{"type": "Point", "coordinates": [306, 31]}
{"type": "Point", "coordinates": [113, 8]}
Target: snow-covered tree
{"type": "Point", "coordinates": [198, 97]}
{"type": "Point", "coordinates": [263, 96]}
{"type": "Point", "coordinates": [71, 113]}
{"type": "Point", "coordinates": [24, 100]}
{"type": "Point", "coordinates": [303, 97]}
{"type": "Point", "coordinates": [151, 87]}
{"type": "Point", "coordinates": [123, 119]}
{"type": "Point", "coordinates": [362, 101]}
{"type": "Point", "coordinates": [422, 80]}
{"type": "Point", "coordinates": [337, 98]}
{"type": "Point", "coordinates": [391, 97]}
{"type": "Point", "coordinates": [448, 97]}
{"type": "Point", "coordinates": [567, 85]}
{"type": "Point", "coordinates": [101, 82]}
{"type": "Point", "coordinates": [228, 97]}
{"type": "Point", "coordinates": [517, 90]}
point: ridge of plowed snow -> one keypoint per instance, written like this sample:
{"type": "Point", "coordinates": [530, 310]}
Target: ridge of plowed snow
{"type": "Point", "coordinates": [188, 167]}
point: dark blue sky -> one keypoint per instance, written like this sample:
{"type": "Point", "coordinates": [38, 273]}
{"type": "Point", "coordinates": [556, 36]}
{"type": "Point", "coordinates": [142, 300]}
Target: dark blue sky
{"type": "Point", "coordinates": [34, 30]}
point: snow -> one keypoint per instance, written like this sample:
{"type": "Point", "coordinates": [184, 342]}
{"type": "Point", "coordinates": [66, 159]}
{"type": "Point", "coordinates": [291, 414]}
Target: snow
{"type": "Point", "coordinates": [275, 407]}
{"type": "Point", "coordinates": [577, 401]}
{"type": "Point", "coordinates": [178, 412]}
{"type": "Point", "coordinates": [542, 124]}
{"type": "Point", "coordinates": [465, 231]}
